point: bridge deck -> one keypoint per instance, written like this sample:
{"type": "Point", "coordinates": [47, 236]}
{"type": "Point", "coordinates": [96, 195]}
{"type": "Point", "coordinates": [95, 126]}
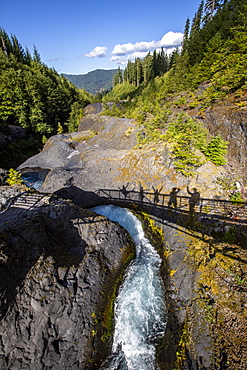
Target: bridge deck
{"type": "Point", "coordinates": [221, 207]}
{"type": "Point", "coordinates": [217, 207]}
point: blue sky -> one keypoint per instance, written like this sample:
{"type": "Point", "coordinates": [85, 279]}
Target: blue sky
{"type": "Point", "coordinates": [78, 36]}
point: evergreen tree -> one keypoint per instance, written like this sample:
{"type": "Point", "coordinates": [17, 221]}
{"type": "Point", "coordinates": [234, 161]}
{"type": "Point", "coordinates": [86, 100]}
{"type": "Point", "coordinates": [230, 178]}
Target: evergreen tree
{"type": "Point", "coordinates": [118, 78]}
{"type": "Point", "coordinates": [129, 75]}
{"type": "Point", "coordinates": [216, 150]}
{"type": "Point", "coordinates": [173, 58]}
{"type": "Point", "coordinates": [17, 50]}
{"type": "Point", "coordinates": [162, 62]}
{"type": "Point", "coordinates": [155, 64]}
{"type": "Point", "coordinates": [186, 36]}
{"type": "Point", "coordinates": [32, 95]}
{"type": "Point", "coordinates": [147, 67]}
{"type": "Point", "coordinates": [194, 44]}
{"type": "Point", "coordinates": [36, 55]}
{"type": "Point", "coordinates": [28, 56]}
{"type": "Point", "coordinates": [197, 20]}
{"type": "Point", "coordinates": [139, 71]}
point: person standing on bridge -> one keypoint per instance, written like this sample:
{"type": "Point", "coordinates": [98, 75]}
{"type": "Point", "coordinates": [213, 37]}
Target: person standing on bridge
{"type": "Point", "coordinates": [173, 197]}
{"type": "Point", "coordinates": [156, 194]}
{"type": "Point", "coordinates": [141, 193]}
{"type": "Point", "coordinates": [194, 199]}
{"type": "Point", "coordinates": [124, 190]}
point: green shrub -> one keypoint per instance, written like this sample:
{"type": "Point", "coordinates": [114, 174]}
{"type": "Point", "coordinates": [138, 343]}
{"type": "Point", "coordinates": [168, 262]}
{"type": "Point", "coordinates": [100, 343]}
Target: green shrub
{"type": "Point", "coordinates": [236, 197]}
{"type": "Point", "coordinates": [216, 150]}
{"type": "Point", "coordinates": [186, 135]}
{"type": "Point", "coordinates": [14, 177]}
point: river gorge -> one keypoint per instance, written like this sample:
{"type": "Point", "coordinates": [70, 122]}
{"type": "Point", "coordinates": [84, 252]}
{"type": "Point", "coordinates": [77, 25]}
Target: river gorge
{"type": "Point", "coordinates": [69, 251]}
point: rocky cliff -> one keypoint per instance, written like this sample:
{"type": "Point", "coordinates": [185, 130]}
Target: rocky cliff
{"type": "Point", "coordinates": [228, 120]}
{"type": "Point", "coordinates": [60, 268]}
{"type": "Point", "coordinates": [204, 264]}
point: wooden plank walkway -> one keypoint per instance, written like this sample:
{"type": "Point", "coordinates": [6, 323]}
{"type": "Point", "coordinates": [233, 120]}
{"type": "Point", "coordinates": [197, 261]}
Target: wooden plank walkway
{"type": "Point", "coordinates": [26, 200]}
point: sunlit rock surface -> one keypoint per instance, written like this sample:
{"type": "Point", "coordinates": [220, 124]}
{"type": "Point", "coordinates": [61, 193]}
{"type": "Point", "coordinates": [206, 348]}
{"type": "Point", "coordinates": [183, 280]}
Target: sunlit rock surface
{"type": "Point", "coordinates": [102, 154]}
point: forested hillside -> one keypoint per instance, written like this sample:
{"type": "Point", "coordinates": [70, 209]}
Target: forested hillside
{"type": "Point", "coordinates": [218, 30]}
{"type": "Point", "coordinates": [34, 98]}
{"type": "Point", "coordinates": [210, 68]}
{"type": "Point", "coordinates": [95, 81]}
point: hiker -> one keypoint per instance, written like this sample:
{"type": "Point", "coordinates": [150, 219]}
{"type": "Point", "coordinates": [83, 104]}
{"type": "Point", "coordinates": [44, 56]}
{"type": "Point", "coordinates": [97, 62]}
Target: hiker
{"type": "Point", "coordinates": [194, 199]}
{"type": "Point", "coordinates": [141, 193]}
{"type": "Point", "coordinates": [173, 197]}
{"type": "Point", "coordinates": [156, 194]}
{"type": "Point", "coordinates": [124, 190]}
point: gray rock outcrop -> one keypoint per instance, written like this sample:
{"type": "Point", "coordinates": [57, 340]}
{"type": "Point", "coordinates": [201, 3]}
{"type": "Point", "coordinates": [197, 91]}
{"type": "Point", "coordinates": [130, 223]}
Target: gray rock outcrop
{"type": "Point", "coordinates": [102, 154]}
{"type": "Point", "coordinates": [60, 266]}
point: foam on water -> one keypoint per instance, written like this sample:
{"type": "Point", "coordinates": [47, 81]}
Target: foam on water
{"type": "Point", "coordinates": [140, 314]}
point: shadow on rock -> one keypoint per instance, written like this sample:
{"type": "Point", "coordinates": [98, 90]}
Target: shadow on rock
{"type": "Point", "coordinates": [80, 197]}
{"type": "Point", "coordinates": [52, 230]}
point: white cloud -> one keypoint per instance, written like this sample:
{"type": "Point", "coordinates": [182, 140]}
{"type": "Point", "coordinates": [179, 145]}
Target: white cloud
{"type": "Point", "coordinates": [119, 59]}
{"type": "Point", "coordinates": [57, 59]}
{"type": "Point", "coordinates": [98, 51]}
{"type": "Point", "coordinates": [121, 53]}
{"type": "Point", "coordinates": [123, 59]}
{"type": "Point", "coordinates": [53, 60]}
{"type": "Point", "coordinates": [137, 54]}
{"type": "Point", "coordinates": [170, 39]}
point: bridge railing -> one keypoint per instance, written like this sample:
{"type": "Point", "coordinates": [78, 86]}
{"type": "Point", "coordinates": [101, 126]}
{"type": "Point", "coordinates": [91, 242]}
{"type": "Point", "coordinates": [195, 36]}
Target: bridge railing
{"type": "Point", "coordinates": [222, 207]}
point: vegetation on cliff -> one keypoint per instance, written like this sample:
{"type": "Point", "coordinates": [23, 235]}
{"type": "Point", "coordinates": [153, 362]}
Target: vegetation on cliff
{"type": "Point", "coordinates": [222, 292]}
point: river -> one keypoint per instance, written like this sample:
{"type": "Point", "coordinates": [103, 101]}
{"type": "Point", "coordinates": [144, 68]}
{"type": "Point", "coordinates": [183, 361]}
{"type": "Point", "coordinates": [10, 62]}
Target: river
{"type": "Point", "coordinates": [140, 312]}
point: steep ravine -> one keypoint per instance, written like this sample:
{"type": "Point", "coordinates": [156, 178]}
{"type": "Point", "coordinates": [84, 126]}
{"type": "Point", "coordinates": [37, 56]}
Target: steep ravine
{"type": "Point", "coordinates": [59, 275]}
{"type": "Point", "coordinates": [61, 265]}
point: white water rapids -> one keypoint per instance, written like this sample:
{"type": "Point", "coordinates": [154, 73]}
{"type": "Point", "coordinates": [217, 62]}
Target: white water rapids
{"type": "Point", "coordinates": [140, 317]}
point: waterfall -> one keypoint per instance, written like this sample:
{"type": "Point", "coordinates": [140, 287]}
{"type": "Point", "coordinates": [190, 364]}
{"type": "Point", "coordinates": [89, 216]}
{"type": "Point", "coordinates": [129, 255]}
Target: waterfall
{"type": "Point", "coordinates": [140, 317]}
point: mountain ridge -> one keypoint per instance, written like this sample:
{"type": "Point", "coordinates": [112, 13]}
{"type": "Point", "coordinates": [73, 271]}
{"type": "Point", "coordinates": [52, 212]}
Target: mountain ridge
{"type": "Point", "coordinates": [94, 81]}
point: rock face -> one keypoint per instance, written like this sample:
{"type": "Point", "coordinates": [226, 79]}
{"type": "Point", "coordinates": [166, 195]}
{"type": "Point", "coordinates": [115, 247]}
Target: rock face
{"type": "Point", "coordinates": [104, 157]}
{"type": "Point", "coordinates": [204, 304]}
{"type": "Point", "coordinates": [60, 267]}
{"type": "Point", "coordinates": [230, 123]}
{"type": "Point", "coordinates": [207, 309]}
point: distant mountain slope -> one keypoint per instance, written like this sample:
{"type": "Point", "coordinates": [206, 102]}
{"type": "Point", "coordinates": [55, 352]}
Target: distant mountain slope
{"type": "Point", "coordinates": [94, 81]}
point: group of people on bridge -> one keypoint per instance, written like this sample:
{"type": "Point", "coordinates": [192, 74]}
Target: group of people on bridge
{"type": "Point", "coordinates": [193, 200]}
